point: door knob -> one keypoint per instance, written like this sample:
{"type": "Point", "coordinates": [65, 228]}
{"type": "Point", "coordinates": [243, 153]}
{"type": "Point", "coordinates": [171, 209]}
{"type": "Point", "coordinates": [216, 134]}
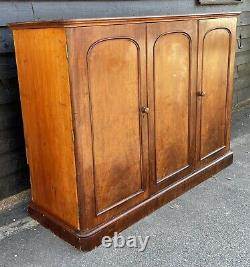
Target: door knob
{"type": "Point", "coordinates": [145, 110]}
{"type": "Point", "coordinates": [201, 93]}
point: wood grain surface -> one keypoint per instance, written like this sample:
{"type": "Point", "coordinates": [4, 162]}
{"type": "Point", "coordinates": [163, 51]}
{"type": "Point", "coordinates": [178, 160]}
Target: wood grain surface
{"type": "Point", "coordinates": [45, 98]}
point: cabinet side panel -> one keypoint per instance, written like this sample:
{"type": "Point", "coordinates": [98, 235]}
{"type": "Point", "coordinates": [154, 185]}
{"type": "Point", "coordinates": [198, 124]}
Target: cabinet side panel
{"type": "Point", "coordinates": [46, 109]}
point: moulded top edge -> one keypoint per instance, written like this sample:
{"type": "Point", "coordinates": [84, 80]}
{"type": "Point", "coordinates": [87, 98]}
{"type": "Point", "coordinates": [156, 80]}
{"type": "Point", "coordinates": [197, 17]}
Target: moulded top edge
{"type": "Point", "coordinates": [111, 21]}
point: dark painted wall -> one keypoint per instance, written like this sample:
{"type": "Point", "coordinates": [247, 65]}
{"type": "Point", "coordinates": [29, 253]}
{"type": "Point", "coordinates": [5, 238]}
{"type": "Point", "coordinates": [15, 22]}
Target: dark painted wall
{"type": "Point", "coordinates": [13, 171]}
{"type": "Point", "coordinates": [42, 10]}
{"type": "Point", "coordinates": [242, 69]}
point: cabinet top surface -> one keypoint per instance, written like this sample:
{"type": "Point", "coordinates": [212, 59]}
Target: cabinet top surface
{"type": "Point", "coordinates": [112, 21]}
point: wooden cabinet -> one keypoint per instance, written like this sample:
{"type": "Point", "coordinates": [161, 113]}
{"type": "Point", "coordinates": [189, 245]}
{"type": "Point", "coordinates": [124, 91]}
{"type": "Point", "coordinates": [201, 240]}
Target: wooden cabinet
{"type": "Point", "coordinates": [122, 115]}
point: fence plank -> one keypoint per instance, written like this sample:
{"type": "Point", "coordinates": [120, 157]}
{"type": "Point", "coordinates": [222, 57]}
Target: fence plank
{"type": "Point", "coordinates": [243, 94]}
{"type": "Point", "coordinates": [244, 18]}
{"type": "Point", "coordinates": [8, 91]}
{"type": "Point", "coordinates": [242, 57]}
{"type": "Point", "coordinates": [6, 40]}
{"type": "Point", "coordinates": [244, 30]}
{"type": "Point", "coordinates": [242, 82]}
{"type": "Point", "coordinates": [245, 45]}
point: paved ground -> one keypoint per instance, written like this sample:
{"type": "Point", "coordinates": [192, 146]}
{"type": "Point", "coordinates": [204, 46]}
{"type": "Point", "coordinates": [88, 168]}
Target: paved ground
{"type": "Point", "coordinates": [207, 226]}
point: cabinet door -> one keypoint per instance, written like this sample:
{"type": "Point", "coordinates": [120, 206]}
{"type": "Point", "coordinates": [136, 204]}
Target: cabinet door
{"type": "Point", "coordinates": [215, 80]}
{"type": "Point", "coordinates": [108, 75]}
{"type": "Point", "coordinates": [172, 53]}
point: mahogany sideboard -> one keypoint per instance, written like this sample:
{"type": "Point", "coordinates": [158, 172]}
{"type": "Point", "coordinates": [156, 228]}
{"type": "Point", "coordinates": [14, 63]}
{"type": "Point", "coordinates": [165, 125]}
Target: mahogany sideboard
{"type": "Point", "coordinates": [122, 115]}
